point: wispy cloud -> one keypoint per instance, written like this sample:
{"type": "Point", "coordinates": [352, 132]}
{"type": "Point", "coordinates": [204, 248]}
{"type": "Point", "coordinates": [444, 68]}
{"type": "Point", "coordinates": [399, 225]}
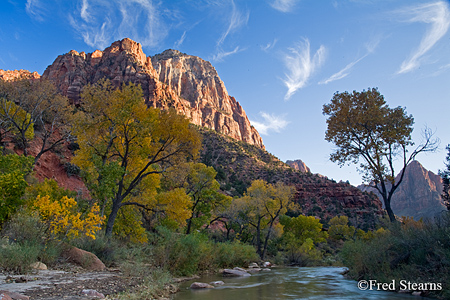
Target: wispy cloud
{"type": "Point", "coordinates": [220, 55]}
{"type": "Point", "coordinates": [100, 22]}
{"type": "Point", "coordinates": [35, 9]}
{"type": "Point", "coordinates": [284, 5]}
{"type": "Point", "coordinates": [269, 45]}
{"type": "Point", "coordinates": [437, 15]}
{"type": "Point", "coordinates": [237, 20]}
{"type": "Point", "coordinates": [270, 123]}
{"type": "Point", "coordinates": [180, 41]}
{"type": "Point", "coordinates": [346, 70]}
{"type": "Point", "coordinates": [301, 66]}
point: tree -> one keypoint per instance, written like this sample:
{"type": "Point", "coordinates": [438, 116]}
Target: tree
{"type": "Point", "coordinates": [203, 188]}
{"type": "Point", "coordinates": [445, 175]}
{"type": "Point", "coordinates": [367, 131]}
{"type": "Point", "coordinates": [263, 203]}
{"type": "Point", "coordinates": [30, 108]}
{"type": "Point", "coordinates": [13, 169]}
{"type": "Point", "coordinates": [116, 131]}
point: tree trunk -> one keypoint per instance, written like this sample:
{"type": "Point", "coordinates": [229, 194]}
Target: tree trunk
{"type": "Point", "coordinates": [112, 218]}
{"type": "Point", "coordinates": [387, 204]}
{"type": "Point", "coordinates": [266, 241]}
{"type": "Point", "coordinates": [258, 238]}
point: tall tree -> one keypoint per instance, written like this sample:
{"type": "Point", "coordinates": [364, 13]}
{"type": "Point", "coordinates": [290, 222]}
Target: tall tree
{"type": "Point", "coordinates": [445, 175]}
{"type": "Point", "coordinates": [262, 204]}
{"type": "Point", "coordinates": [33, 108]}
{"type": "Point", "coordinates": [118, 132]}
{"type": "Point", "coordinates": [367, 131]}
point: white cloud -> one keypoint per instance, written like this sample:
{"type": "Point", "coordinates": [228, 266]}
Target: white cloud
{"type": "Point", "coordinates": [100, 22]}
{"type": "Point", "coordinates": [237, 20]}
{"type": "Point", "coordinates": [222, 54]}
{"type": "Point", "coordinates": [35, 9]}
{"type": "Point", "coordinates": [438, 16]}
{"type": "Point", "coordinates": [180, 41]}
{"type": "Point", "coordinates": [301, 66]}
{"type": "Point", "coordinates": [269, 46]}
{"type": "Point", "coordinates": [346, 70]}
{"type": "Point", "coordinates": [270, 123]}
{"type": "Point", "coordinates": [284, 5]}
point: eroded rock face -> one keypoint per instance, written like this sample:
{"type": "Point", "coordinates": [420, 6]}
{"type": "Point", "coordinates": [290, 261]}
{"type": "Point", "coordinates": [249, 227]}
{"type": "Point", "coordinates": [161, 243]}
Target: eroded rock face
{"type": "Point", "coordinates": [170, 79]}
{"type": "Point", "coordinates": [419, 194]}
{"type": "Point", "coordinates": [8, 75]}
{"type": "Point", "coordinates": [299, 165]}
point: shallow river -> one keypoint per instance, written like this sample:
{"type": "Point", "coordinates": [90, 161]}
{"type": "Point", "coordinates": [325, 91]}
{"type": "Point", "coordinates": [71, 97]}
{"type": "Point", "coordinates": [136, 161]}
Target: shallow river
{"type": "Point", "coordinates": [286, 283]}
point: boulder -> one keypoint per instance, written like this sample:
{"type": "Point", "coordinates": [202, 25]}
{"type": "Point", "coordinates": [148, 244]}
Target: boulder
{"type": "Point", "coordinates": [12, 295]}
{"type": "Point", "coordinates": [240, 269]}
{"type": "Point", "coordinates": [267, 264]}
{"type": "Point", "coordinates": [5, 296]}
{"type": "Point", "coordinates": [201, 285]}
{"type": "Point", "coordinates": [219, 282]}
{"type": "Point", "coordinates": [235, 273]}
{"type": "Point", "coordinates": [85, 259]}
{"type": "Point", "coordinates": [38, 266]}
{"type": "Point", "coordinates": [253, 265]}
{"type": "Point", "coordinates": [254, 270]}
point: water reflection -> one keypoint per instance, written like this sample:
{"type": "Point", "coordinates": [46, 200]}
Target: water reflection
{"type": "Point", "coordinates": [286, 283]}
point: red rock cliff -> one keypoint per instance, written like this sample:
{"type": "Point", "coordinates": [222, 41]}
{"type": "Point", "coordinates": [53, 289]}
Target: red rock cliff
{"type": "Point", "coordinates": [170, 79]}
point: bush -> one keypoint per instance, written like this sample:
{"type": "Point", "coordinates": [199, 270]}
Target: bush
{"type": "Point", "coordinates": [414, 251]}
{"type": "Point", "coordinates": [17, 258]}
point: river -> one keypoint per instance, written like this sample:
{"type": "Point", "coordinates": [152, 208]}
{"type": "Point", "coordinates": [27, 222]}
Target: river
{"type": "Point", "coordinates": [286, 283]}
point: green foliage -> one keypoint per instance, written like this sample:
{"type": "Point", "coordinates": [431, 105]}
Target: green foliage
{"type": "Point", "coordinates": [366, 131]}
{"type": "Point", "coordinates": [13, 169]}
{"type": "Point", "coordinates": [25, 241]}
{"type": "Point", "coordinates": [189, 254]}
{"type": "Point", "coordinates": [413, 251]}
{"type": "Point", "coordinates": [339, 229]}
{"type": "Point", "coordinates": [299, 240]}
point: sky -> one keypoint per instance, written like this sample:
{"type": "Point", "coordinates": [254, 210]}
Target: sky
{"type": "Point", "coordinates": [281, 59]}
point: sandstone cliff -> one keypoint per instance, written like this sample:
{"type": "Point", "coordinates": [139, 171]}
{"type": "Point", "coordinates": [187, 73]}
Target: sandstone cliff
{"type": "Point", "coordinates": [16, 74]}
{"type": "Point", "coordinates": [418, 195]}
{"type": "Point", "coordinates": [299, 165]}
{"type": "Point", "coordinates": [170, 79]}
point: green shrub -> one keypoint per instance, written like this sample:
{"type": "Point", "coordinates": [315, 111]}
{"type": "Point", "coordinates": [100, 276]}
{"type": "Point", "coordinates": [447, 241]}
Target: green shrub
{"type": "Point", "coordinates": [17, 258]}
{"type": "Point", "coordinates": [414, 251]}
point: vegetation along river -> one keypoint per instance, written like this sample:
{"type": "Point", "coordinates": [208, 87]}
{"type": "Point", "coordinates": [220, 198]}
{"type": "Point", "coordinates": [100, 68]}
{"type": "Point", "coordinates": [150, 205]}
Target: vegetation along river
{"type": "Point", "coordinates": [286, 283]}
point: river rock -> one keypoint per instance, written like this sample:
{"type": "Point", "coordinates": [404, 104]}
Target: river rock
{"type": "Point", "coordinates": [253, 265]}
{"type": "Point", "coordinates": [254, 270]}
{"type": "Point", "coordinates": [240, 269]}
{"type": "Point", "coordinates": [201, 285]}
{"type": "Point", "coordinates": [219, 282]}
{"type": "Point", "coordinates": [38, 266]}
{"type": "Point", "coordinates": [85, 259]}
{"type": "Point", "coordinates": [235, 273]}
{"type": "Point", "coordinates": [267, 264]}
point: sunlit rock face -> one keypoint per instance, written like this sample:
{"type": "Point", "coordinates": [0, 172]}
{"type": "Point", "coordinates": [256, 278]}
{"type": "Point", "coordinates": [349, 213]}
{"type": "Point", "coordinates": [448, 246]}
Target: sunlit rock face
{"type": "Point", "coordinates": [170, 79]}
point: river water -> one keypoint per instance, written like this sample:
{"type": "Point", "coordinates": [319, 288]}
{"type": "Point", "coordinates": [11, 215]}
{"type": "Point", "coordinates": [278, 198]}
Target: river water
{"type": "Point", "coordinates": [286, 283]}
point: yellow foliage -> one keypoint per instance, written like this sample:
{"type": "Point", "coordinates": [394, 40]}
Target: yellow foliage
{"type": "Point", "coordinates": [63, 218]}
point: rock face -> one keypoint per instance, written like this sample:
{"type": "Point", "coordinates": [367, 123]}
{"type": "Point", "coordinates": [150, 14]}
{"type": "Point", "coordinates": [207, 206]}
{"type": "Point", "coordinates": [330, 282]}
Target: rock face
{"type": "Point", "coordinates": [11, 75]}
{"type": "Point", "coordinates": [170, 79]}
{"type": "Point", "coordinates": [299, 165]}
{"type": "Point", "coordinates": [419, 195]}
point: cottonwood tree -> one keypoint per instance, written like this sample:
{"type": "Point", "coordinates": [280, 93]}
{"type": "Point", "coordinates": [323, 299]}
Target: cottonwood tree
{"type": "Point", "coordinates": [367, 131]}
{"type": "Point", "coordinates": [262, 204]}
{"type": "Point", "coordinates": [33, 108]}
{"type": "Point", "coordinates": [116, 131]}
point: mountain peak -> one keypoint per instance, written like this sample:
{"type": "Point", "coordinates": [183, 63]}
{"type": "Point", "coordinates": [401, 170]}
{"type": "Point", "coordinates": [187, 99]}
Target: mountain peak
{"type": "Point", "coordinates": [188, 83]}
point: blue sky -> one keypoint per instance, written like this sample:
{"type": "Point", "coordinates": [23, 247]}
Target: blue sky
{"type": "Point", "coordinates": [281, 59]}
